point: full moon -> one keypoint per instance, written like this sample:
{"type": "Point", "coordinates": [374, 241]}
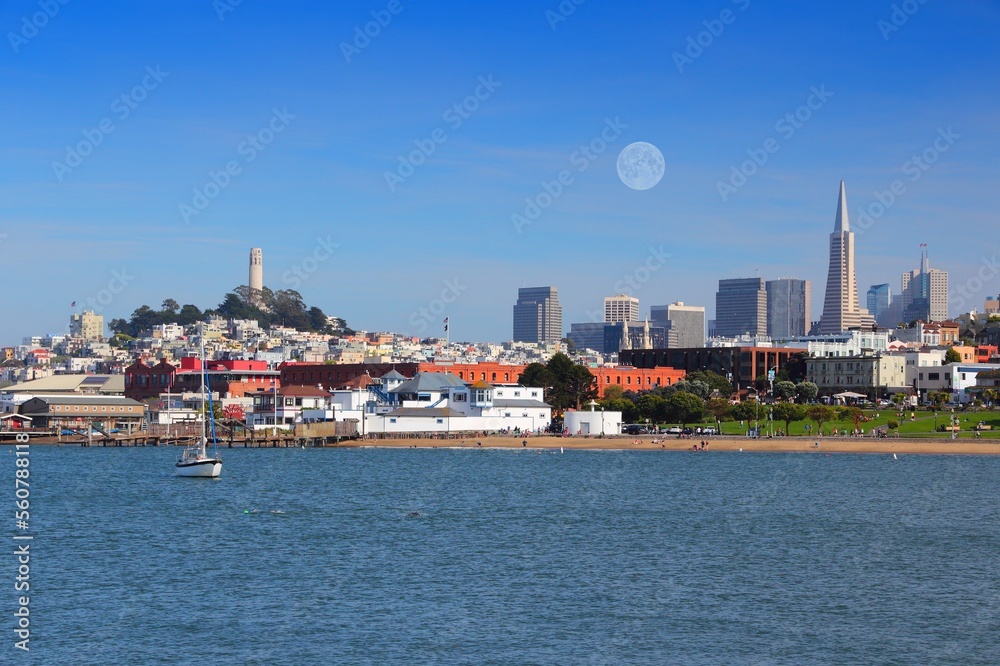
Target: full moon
{"type": "Point", "coordinates": [640, 165]}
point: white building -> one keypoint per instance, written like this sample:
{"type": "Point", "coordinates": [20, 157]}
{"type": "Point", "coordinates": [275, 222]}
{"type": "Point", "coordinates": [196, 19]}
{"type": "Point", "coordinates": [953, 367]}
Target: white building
{"type": "Point", "coordinates": [848, 343]}
{"type": "Point", "coordinates": [621, 308]}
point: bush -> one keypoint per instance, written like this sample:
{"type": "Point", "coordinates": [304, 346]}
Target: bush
{"type": "Point", "coordinates": [892, 424]}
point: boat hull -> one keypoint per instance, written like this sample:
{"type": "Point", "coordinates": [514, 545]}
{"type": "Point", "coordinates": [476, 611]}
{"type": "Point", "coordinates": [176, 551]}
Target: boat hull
{"type": "Point", "coordinates": [208, 468]}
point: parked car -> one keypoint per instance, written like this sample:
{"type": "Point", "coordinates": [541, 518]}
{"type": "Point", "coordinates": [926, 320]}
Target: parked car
{"type": "Point", "coordinates": [709, 431]}
{"type": "Point", "coordinates": [674, 430]}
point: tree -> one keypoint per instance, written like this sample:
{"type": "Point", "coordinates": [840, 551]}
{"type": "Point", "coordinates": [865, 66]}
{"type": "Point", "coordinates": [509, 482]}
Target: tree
{"type": "Point", "coordinates": [684, 408]}
{"type": "Point", "coordinates": [795, 367]}
{"type": "Point", "coordinates": [613, 392]}
{"type": "Point", "coordinates": [744, 411]}
{"type": "Point", "coordinates": [697, 387]}
{"type": "Point", "coordinates": [898, 398]}
{"type": "Point", "coordinates": [119, 326]}
{"type": "Point", "coordinates": [939, 398]}
{"type": "Point", "coordinates": [806, 391]}
{"type": "Point", "coordinates": [820, 414]}
{"type": "Point", "coordinates": [715, 381]}
{"type": "Point", "coordinates": [719, 409]}
{"type": "Point", "coordinates": [852, 414]}
{"type": "Point", "coordinates": [784, 390]}
{"type": "Point", "coordinates": [568, 384]}
{"type": "Point", "coordinates": [788, 412]}
{"type": "Point", "coordinates": [170, 305]}
{"type": "Point", "coordinates": [652, 407]}
{"type": "Point", "coordinates": [952, 356]}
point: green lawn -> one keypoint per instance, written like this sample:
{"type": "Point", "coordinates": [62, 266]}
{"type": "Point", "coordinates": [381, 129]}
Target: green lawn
{"type": "Point", "coordinates": [923, 424]}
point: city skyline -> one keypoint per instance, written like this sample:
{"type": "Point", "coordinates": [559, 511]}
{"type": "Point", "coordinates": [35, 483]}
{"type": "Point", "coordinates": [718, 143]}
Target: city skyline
{"type": "Point", "coordinates": [166, 163]}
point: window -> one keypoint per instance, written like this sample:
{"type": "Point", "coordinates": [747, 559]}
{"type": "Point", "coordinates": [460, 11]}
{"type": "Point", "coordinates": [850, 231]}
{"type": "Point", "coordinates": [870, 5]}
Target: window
{"type": "Point", "coordinates": [517, 394]}
{"type": "Point", "coordinates": [392, 420]}
{"type": "Point", "coordinates": [440, 420]}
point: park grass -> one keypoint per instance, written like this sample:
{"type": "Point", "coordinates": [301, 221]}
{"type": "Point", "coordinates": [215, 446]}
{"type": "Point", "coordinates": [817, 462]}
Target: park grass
{"type": "Point", "coordinates": [922, 425]}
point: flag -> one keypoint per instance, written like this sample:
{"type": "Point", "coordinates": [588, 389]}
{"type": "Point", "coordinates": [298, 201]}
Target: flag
{"type": "Point", "coordinates": [923, 245]}
{"type": "Point", "coordinates": [445, 324]}
{"type": "Point", "coordinates": [73, 304]}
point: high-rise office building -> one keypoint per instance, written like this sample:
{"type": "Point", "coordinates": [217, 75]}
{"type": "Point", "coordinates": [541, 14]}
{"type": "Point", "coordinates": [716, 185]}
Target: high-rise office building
{"type": "Point", "coordinates": [621, 308]}
{"type": "Point", "coordinates": [684, 324]}
{"type": "Point", "coordinates": [841, 310]}
{"type": "Point", "coordinates": [788, 307]}
{"type": "Point", "coordinates": [879, 299]}
{"type": "Point", "coordinates": [924, 292]}
{"type": "Point", "coordinates": [741, 307]}
{"type": "Point", "coordinates": [537, 315]}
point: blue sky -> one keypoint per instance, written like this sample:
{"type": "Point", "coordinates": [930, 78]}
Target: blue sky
{"type": "Point", "coordinates": [110, 228]}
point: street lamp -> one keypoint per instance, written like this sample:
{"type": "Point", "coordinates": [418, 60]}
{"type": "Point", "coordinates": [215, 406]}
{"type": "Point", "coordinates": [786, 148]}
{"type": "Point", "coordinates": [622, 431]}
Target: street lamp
{"type": "Point", "coordinates": [756, 409]}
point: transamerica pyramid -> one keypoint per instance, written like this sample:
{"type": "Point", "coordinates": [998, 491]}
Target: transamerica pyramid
{"type": "Point", "coordinates": [841, 310]}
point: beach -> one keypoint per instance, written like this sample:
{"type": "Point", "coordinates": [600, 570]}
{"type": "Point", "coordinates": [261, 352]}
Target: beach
{"type": "Point", "coordinates": [936, 446]}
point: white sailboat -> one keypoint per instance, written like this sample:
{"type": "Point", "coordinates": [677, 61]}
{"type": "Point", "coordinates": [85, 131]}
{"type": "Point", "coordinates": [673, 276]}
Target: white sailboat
{"type": "Point", "coordinates": [194, 460]}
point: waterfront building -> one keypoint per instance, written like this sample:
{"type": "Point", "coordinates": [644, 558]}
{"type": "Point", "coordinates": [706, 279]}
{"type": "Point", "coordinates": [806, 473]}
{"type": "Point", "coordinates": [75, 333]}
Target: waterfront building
{"type": "Point", "coordinates": [876, 376]}
{"type": "Point", "coordinates": [788, 307]}
{"type": "Point", "coordinates": [841, 310]}
{"type": "Point", "coordinates": [741, 307]}
{"type": "Point", "coordinates": [537, 315]}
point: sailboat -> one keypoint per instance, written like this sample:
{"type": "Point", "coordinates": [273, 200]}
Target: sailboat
{"type": "Point", "coordinates": [194, 460]}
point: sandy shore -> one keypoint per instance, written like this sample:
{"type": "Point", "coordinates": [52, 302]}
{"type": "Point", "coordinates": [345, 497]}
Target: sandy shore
{"type": "Point", "coordinates": [786, 444]}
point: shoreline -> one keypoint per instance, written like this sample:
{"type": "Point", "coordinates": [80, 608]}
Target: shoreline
{"type": "Point", "coordinates": [936, 446]}
{"type": "Point", "coordinates": [928, 446]}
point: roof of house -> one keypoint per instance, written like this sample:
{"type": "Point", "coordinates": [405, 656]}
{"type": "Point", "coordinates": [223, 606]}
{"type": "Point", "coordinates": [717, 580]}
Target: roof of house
{"type": "Point", "coordinates": [394, 374]}
{"type": "Point", "coordinates": [71, 384]}
{"type": "Point", "coordinates": [428, 412]}
{"type": "Point", "coordinates": [519, 402]}
{"type": "Point", "coordinates": [11, 415]}
{"type": "Point", "coordinates": [428, 381]}
{"type": "Point", "coordinates": [481, 384]}
{"type": "Point", "coordinates": [76, 399]}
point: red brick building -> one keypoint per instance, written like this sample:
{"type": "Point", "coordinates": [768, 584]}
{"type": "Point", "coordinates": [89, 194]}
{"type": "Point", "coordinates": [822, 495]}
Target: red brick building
{"type": "Point", "coordinates": [229, 378]}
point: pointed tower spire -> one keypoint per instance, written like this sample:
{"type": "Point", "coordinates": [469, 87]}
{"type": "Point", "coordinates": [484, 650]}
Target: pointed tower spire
{"type": "Point", "coordinates": [842, 223]}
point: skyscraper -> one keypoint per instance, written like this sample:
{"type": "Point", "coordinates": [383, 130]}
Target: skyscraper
{"type": "Point", "coordinates": [741, 307]}
{"type": "Point", "coordinates": [685, 324]}
{"type": "Point", "coordinates": [789, 307]}
{"type": "Point", "coordinates": [841, 310]}
{"type": "Point", "coordinates": [879, 299]}
{"type": "Point", "coordinates": [537, 315]}
{"type": "Point", "coordinates": [924, 292]}
{"type": "Point", "coordinates": [621, 308]}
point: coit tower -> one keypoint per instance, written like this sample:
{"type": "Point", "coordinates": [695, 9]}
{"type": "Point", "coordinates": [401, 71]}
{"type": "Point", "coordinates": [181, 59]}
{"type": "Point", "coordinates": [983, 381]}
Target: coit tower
{"type": "Point", "coordinates": [256, 269]}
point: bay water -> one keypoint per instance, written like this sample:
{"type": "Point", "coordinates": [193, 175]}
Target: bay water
{"type": "Point", "coordinates": [481, 556]}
